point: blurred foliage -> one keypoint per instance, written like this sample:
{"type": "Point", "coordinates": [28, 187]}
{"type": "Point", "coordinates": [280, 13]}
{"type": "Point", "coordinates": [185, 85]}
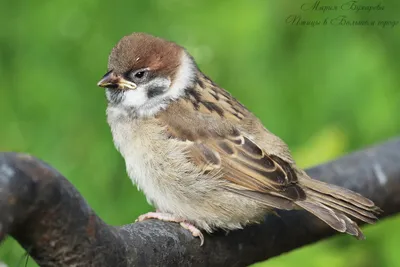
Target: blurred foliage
{"type": "Point", "coordinates": [326, 90]}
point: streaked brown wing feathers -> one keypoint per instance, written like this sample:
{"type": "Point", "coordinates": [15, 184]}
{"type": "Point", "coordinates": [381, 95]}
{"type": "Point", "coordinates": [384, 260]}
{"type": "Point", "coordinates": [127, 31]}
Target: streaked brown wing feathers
{"type": "Point", "coordinates": [245, 165]}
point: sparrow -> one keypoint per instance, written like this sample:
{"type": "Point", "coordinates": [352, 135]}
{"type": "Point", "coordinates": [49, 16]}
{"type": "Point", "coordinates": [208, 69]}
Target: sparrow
{"type": "Point", "coordinates": [199, 155]}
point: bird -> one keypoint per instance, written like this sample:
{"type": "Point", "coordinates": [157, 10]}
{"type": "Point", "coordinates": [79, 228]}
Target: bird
{"type": "Point", "coordinates": [202, 158]}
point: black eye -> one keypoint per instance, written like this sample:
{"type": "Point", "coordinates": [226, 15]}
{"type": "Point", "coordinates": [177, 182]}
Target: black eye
{"type": "Point", "coordinates": [139, 74]}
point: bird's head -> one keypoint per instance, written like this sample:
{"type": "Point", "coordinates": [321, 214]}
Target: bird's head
{"type": "Point", "coordinates": [145, 73]}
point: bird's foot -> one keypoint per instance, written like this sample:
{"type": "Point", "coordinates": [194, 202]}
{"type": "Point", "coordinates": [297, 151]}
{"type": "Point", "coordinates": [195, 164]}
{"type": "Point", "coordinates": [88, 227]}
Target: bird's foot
{"type": "Point", "coordinates": [159, 216]}
{"type": "Point", "coordinates": [171, 218]}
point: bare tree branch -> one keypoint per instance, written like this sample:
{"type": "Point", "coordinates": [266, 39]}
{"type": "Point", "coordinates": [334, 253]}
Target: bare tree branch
{"type": "Point", "coordinates": [51, 220]}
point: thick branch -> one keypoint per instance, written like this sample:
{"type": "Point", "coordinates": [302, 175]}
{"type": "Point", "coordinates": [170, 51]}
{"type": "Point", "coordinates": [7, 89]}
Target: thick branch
{"type": "Point", "coordinates": [50, 219]}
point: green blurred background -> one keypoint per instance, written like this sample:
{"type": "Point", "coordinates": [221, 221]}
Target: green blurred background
{"type": "Point", "coordinates": [326, 90]}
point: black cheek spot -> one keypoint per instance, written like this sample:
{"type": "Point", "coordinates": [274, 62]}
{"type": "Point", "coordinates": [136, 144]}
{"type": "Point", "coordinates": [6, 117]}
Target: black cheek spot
{"type": "Point", "coordinates": [155, 91]}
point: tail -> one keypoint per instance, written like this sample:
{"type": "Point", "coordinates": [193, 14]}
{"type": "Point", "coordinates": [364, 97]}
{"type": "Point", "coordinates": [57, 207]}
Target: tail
{"type": "Point", "coordinates": [334, 204]}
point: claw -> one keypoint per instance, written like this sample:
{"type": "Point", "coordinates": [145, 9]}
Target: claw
{"type": "Point", "coordinates": [194, 230]}
{"type": "Point", "coordinates": [171, 218]}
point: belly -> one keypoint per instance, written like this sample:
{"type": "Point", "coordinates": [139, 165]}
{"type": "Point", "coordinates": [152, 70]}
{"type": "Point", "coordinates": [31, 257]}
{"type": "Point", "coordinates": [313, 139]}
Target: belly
{"type": "Point", "coordinates": [158, 166]}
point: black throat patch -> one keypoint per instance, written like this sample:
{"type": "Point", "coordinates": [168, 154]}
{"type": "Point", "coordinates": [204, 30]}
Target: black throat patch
{"type": "Point", "coordinates": [114, 96]}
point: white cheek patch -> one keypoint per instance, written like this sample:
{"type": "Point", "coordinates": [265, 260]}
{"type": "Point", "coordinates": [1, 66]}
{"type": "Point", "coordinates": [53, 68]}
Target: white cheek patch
{"type": "Point", "coordinates": [140, 99]}
{"type": "Point", "coordinates": [135, 98]}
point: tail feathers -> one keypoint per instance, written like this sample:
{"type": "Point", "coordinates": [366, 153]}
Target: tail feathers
{"type": "Point", "coordinates": [333, 205]}
{"type": "Point", "coordinates": [324, 213]}
{"type": "Point", "coordinates": [351, 227]}
{"type": "Point", "coordinates": [334, 219]}
{"type": "Point", "coordinates": [339, 205]}
{"type": "Point", "coordinates": [338, 193]}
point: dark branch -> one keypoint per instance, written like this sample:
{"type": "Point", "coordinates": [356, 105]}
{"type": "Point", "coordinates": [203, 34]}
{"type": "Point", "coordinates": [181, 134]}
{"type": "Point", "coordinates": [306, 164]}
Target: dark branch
{"type": "Point", "coordinates": [51, 220]}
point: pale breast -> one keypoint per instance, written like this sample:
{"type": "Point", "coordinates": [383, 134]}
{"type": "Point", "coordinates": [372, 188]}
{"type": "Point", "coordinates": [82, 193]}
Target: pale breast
{"type": "Point", "coordinates": [156, 164]}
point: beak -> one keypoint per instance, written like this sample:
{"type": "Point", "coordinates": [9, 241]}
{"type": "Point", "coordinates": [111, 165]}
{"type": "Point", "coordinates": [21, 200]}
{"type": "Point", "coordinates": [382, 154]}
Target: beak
{"type": "Point", "coordinates": [111, 80]}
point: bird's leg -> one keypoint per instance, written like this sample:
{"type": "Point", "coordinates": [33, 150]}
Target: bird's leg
{"type": "Point", "coordinates": [171, 218]}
